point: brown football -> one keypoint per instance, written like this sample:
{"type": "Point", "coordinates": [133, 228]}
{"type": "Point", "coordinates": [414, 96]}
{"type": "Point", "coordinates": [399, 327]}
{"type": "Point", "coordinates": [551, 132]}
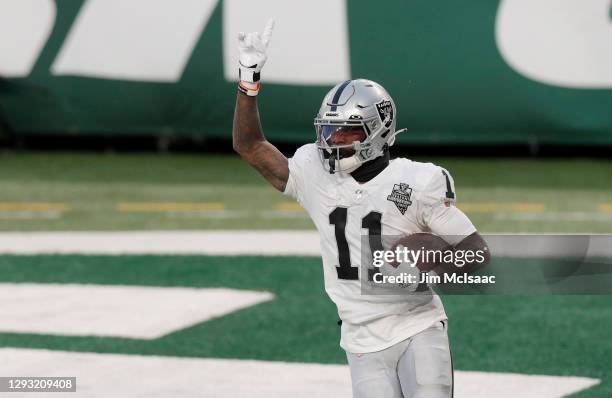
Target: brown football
{"type": "Point", "coordinates": [426, 241]}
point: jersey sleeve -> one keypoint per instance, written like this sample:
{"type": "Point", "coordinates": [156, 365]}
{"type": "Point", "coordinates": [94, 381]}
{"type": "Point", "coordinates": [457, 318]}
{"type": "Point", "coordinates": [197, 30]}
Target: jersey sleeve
{"type": "Point", "coordinates": [439, 211]}
{"type": "Point", "coordinates": [299, 164]}
{"type": "Point", "coordinates": [291, 188]}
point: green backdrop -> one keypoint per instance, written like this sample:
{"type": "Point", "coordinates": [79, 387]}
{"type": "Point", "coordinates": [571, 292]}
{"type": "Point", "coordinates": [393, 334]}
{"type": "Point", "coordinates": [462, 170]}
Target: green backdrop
{"type": "Point", "coordinates": [438, 59]}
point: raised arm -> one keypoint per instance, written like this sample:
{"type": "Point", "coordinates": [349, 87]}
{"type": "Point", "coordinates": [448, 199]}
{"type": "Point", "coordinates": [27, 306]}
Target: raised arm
{"type": "Point", "coordinates": [250, 143]}
{"type": "Point", "coordinates": [247, 134]}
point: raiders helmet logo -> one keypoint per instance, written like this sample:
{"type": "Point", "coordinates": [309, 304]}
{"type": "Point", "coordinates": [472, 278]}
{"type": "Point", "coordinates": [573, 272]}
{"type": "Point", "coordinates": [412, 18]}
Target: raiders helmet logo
{"type": "Point", "coordinates": [385, 112]}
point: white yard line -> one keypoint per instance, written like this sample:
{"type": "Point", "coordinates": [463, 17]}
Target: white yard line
{"type": "Point", "coordinates": [138, 312]}
{"type": "Point", "coordinates": [137, 376]}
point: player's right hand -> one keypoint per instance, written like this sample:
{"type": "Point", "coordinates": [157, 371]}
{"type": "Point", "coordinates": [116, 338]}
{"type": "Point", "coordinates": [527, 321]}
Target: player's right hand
{"type": "Point", "coordinates": [253, 48]}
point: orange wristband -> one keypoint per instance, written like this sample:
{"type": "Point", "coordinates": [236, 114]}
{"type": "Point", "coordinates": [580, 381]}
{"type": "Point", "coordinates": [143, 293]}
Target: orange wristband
{"type": "Point", "coordinates": [250, 89]}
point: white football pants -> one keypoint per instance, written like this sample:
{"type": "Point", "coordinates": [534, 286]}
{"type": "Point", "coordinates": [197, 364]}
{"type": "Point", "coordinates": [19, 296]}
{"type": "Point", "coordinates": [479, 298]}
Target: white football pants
{"type": "Point", "coordinates": [418, 367]}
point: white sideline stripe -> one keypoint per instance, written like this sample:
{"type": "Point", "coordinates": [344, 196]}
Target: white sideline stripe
{"type": "Point", "coordinates": [265, 243]}
{"type": "Point", "coordinates": [281, 242]}
{"type": "Point", "coordinates": [136, 376]}
{"type": "Point", "coordinates": [118, 311]}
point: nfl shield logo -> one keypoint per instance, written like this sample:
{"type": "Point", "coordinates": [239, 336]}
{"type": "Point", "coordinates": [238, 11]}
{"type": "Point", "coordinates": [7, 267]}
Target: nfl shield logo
{"type": "Point", "coordinates": [385, 112]}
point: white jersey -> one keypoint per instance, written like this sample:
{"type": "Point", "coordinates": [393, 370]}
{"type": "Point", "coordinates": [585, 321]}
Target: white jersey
{"type": "Point", "coordinates": [406, 197]}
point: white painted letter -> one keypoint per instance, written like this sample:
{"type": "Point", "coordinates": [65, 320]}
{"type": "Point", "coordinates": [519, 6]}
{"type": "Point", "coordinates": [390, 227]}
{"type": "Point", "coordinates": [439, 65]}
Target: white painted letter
{"type": "Point", "coordinates": [149, 40]}
{"type": "Point", "coordinates": [25, 26]}
{"type": "Point", "coordinates": [310, 44]}
{"type": "Point", "coordinates": [566, 43]}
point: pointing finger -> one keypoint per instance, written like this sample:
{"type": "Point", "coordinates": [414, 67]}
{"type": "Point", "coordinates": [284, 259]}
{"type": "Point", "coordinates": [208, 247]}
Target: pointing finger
{"type": "Point", "coordinates": [267, 32]}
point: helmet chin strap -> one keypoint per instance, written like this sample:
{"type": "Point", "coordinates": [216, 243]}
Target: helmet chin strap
{"type": "Point", "coordinates": [348, 165]}
{"type": "Point", "coordinates": [345, 165]}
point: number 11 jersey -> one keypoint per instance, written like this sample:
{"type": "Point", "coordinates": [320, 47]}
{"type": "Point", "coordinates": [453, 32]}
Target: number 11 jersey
{"type": "Point", "coordinates": [404, 198]}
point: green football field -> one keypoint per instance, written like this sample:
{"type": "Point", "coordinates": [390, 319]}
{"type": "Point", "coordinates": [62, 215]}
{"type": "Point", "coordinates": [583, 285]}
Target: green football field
{"type": "Point", "coordinates": [558, 335]}
{"type": "Point", "coordinates": [127, 192]}
{"type": "Point", "coordinates": [553, 335]}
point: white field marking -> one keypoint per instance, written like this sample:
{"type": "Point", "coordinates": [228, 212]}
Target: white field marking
{"type": "Point", "coordinates": [278, 242]}
{"type": "Point", "coordinates": [137, 376]}
{"type": "Point", "coordinates": [561, 216]}
{"type": "Point", "coordinates": [208, 214]}
{"type": "Point", "coordinates": [510, 385]}
{"type": "Point", "coordinates": [137, 312]}
{"type": "Point", "coordinates": [30, 215]}
{"type": "Point", "coordinates": [283, 214]}
{"type": "Point", "coordinates": [149, 207]}
{"type": "Point", "coordinates": [210, 210]}
{"type": "Point", "coordinates": [267, 243]}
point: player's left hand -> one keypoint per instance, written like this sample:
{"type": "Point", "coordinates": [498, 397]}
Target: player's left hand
{"type": "Point", "coordinates": [253, 52]}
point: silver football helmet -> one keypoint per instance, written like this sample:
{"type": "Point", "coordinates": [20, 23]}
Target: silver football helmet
{"type": "Point", "coordinates": [361, 108]}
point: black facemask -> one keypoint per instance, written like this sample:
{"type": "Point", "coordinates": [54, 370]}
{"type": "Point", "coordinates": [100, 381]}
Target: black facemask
{"type": "Point", "coordinates": [372, 168]}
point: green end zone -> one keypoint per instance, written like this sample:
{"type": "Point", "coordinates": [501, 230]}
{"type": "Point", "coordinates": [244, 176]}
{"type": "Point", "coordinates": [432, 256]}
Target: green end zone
{"type": "Point", "coordinates": [552, 335]}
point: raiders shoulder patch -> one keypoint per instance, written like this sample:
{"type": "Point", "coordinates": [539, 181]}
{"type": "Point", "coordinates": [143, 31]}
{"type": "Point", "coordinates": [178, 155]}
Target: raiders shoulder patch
{"type": "Point", "coordinates": [400, 195]}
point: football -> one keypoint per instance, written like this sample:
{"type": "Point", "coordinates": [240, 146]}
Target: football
{"type": "Point", "coordinates": [426, 249]}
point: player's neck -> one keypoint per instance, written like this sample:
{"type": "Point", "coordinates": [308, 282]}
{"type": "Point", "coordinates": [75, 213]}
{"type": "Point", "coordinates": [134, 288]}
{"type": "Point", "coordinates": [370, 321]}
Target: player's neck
{"type": "Point", "coordinates": [371, 169]}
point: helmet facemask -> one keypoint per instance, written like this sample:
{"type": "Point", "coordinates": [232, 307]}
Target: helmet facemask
{"type": "Point", "coordinates": [343, 158]}
{"type": "Point", "coordinates": [346, 158]}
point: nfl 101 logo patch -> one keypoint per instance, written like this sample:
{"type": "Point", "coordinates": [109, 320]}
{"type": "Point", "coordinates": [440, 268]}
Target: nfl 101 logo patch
{"type": "Point", "coordinates": [400, 195]}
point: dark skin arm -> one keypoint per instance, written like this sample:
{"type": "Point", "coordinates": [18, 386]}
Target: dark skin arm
{"type": "Point", "coordinates": [472, 243]}
{"type": "Point", "coordinates": [251, 144]}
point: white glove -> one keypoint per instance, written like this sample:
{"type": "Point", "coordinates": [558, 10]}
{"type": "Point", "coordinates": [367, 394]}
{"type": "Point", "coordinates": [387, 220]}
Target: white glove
{"type": "Point", "coordinates": [252, 48]}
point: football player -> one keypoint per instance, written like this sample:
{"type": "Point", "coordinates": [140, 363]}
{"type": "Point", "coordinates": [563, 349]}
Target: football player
{"type": "Point", "coordinates": [396, 345]}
